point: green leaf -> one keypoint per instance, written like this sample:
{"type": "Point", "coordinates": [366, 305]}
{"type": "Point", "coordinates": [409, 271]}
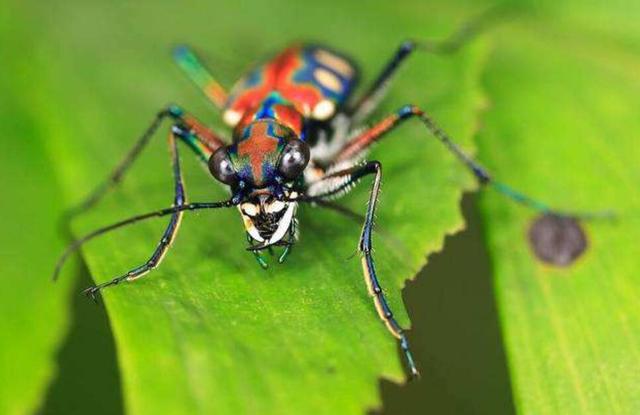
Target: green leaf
{"type": "Point", "coordinates": [34, 311]}
{"type": "Point", "coordinates": [565, 90]}
{"type": "Point", "coordinates": [209, 331]}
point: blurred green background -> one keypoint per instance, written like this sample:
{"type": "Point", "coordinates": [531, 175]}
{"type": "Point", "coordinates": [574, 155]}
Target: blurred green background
{"type": "Point", "coordinates": [547, 99]}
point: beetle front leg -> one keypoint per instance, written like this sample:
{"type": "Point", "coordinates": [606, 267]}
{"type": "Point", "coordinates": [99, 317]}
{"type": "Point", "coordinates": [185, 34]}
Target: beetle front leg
{"type": "Point", "coordinates": [168, 235]}
{"type": "Point", "coordinates": [369, 269]}
{"type": "Point", "coordinates": [348, 177]}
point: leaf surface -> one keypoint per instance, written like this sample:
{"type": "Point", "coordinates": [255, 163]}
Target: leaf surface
{"type": "Point", "coordinates": [209, 331]}
{"type": "Point", "coordinates": [34, 312]}
{"type": "Point", "coordinates": [565, 89]}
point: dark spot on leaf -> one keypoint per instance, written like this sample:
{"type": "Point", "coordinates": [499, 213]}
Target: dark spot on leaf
{"type": "Point", "coordinates": [557, 240]}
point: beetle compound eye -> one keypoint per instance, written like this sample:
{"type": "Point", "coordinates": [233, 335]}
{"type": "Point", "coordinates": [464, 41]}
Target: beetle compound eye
{"type": "Point", "coordinates": [294, 159]}
{"type": "Point", "coordinates": [221, 168]}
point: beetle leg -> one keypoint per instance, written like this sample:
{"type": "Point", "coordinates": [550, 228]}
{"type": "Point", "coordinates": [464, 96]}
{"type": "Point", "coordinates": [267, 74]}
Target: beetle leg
{"type": "Point", "coordinates": [368, 102]}
{"type": "Point", "coordinates": [195, 70]}
{"type": "Point", "coordinates": [168, 235]}
{"type": "Point", "coordinates": [364, 140]}
{"type": "Point", "coordinates": [177, 132]}
{"type": "Point", "coordinates": [202, 140]}
{"type": "Point", "coordinates": [350, 177]}
{"type": "Point", "coordinates": [78, 243]}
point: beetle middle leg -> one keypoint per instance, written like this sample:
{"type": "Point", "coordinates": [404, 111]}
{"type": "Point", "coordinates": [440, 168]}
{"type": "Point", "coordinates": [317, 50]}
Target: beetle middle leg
{"type": "Point", "coordinates": [364, 140]}
{"type": "Point", "coordinates": [207, 139]}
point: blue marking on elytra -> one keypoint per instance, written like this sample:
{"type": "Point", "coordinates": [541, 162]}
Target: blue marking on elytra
{"type": "Point", "coordinates": [254, 78]}
{"type": "Point", "coordinates": [313, 63]}
{"type": "Point", "coordinates": [305, 75]}
{"type": "Point", "coordinates": [266, 109]}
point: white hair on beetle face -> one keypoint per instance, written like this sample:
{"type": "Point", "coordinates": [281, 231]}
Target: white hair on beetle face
{"type": "Point", "coordinates": [267, 209]}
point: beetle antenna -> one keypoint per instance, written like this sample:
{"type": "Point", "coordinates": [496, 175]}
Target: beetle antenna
{"type": "Point", "coordinates": [78, 243]}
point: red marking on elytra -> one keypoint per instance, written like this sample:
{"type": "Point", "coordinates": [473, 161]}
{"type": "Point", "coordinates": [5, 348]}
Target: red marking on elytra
{"type": "Point", "coordinates": [277, 75]}
{"type": "Point", "coordinates": [304, 97]}
{"type": "Point", "coordinates": [288, 116]}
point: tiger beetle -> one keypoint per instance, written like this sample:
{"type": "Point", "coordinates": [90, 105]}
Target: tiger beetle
{"type": "Point", "coordinates": [297, 139]}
